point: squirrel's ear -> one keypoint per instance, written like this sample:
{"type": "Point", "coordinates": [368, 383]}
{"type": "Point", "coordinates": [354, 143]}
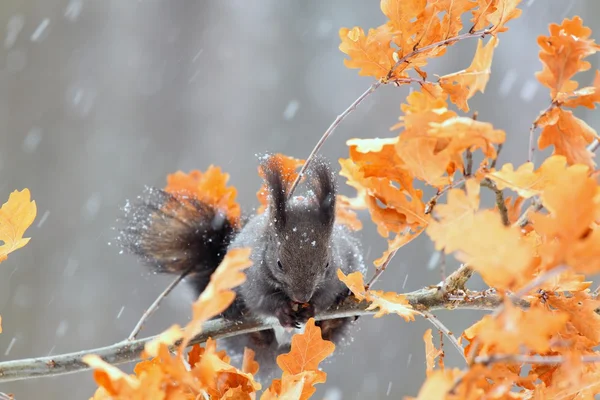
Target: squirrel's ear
{"type": "Point", "coordinates": [271, 169]}
{"type": "Point", "coordinates": [323, 185]}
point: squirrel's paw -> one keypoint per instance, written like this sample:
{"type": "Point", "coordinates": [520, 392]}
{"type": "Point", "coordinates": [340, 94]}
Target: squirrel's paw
{"type": "Point", "coordinates": [292, 315]}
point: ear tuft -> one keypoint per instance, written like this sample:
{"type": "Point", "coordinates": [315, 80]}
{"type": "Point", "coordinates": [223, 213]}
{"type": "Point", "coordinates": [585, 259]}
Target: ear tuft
{"type": "Point", "coordinates": [323, 185]}
{"type": "Point", "coordinates": [271, 169]}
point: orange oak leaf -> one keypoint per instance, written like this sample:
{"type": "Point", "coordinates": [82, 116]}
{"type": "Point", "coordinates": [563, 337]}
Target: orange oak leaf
{"type": "Point", "coordinates": [580, 307]}
{"type": "Point", "coordinates": [371, 53]}
{"type": "Point", "coordinates": [460, 134]}
{"type": "Point", "coordinates": [568, 233]}
{"type": "Point", "coordinates": [562, 54]}
{"type": "Point", "coordinates": [111, 378]}
{"type": "Point", "coordinates": [423, 160]}
{"type": "Point", "coordinates": [401, 239]}
{"type": "Point", "coordinates": [463, 85]}
{"type": "Point", "coordinates": [496, 13]}
{"type": "Point", "coordinates": [209, 187]}
{"type": "Point", "coordinates": [390, 302]}
{"type": "Point", "coordinates": [586, 97]}
{"type": "Point", "coordinates": [527, 182]}
{"type": "Point", "coordinates": [307, 351]}
{"type": "Point", "coordinates": [221, 380]}
{"type": "Point", "coordinates": [249, 365]}
{"type": "Point", "coordinates": [386, 302]}
{"type": "Point", "coordinates": [456, 216]}
{"type": "Point", "coordinates": [168, 338]}
{"type": "Point", "coordinates": [514, 328]}
{"type": "Point", "coordinates": [355, 283]}
{"type": "Point", "coordinates": [479, 239]}
{"type": "Point", "coordinates": [345, 214]}
{"type": "Point", "coordinates": [16, 215]}
{"type": "Point", "coordinates": [570, 137]}
{"type": "Point", "coordinates": [218, 295]}
{"type": "Point", "coordinates": [437, 385]}
{"type": "Point", "coordinates": [431, 353]}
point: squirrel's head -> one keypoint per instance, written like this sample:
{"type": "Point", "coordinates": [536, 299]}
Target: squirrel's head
{"type": "Point", "coordinates": [301, 229]}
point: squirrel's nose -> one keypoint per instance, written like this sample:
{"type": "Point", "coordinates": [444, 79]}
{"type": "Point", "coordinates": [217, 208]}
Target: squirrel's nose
{"type": "Point", "coordinates": [301, 297]}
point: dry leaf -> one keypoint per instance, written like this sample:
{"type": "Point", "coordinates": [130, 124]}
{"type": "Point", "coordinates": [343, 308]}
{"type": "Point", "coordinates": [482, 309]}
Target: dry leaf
{"type": "Point", "coordinates": [463, 85]}
{"type": "Point", "coordinates": [16, 215]}
{"type": "Point", "coordinates": [209, 187]}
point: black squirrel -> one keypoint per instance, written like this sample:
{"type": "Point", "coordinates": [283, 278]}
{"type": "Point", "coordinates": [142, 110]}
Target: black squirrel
{"type": "Point", "coordinates": [297, 247]}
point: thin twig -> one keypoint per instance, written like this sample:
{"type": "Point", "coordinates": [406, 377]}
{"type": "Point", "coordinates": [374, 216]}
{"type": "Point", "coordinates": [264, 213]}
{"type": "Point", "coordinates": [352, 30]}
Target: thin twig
{"type": "Point", "coordinates": [442, 328]}
{"type": "Point", "coordinates": [154, 306]}
{"type": "Point", "coordinates": [594, 145]}
{"type": "Point", "coordinates": [469, 167]}
{"type": "Point", "coordinates": [379, 271]}
{"type": "Point", "coordinates": [329, 131]}
{"type": "Point", "coordinates": [530, 359]}
{"type": "Point", "coordinates": [532, 129]}
{"type": "Point", "coordinates": [488, 183]}
{"type": "Point", "coordinates": [524, 218]}
{"type": "Point", "coordinates": [445, 42]}
{"type": "Point", "coordinates": [431, 203]}
{"type": "Point", "coordinates": [495, 160]}
{"type": "Point", "coordinates": [123, 352]}
{"type": "Point", "coordinates": [539, 280]}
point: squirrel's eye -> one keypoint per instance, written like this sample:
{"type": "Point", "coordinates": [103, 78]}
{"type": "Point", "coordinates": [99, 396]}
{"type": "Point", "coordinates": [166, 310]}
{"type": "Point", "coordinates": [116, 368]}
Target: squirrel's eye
{"type": "Point", "coordinates": [279, 265]}
{"type": "Point", "coordinates": [327, 266]}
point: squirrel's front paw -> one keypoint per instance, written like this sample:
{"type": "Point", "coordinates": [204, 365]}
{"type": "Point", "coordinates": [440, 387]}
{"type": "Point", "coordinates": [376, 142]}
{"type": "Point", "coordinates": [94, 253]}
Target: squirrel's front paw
{"type": "Point", "coordinates": [291, 315]}
{"type": "Point", "coordinates": [304, 311]}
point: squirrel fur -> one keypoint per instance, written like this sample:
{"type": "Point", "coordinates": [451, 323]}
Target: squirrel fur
{"type": "Point", "coordinates": [297, 247]}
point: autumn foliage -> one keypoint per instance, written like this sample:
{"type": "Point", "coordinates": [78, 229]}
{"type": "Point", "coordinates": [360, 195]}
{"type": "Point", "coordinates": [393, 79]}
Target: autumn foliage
{"type": "Point", "coordinates": [535, 248]}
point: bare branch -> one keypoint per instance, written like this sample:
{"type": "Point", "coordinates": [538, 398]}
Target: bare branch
{"type": "Point", "coordinates": [129, 351]}
{"type": "Point", "coordinates": [379, 271]}
{"type": "Point", "coordinates": [530, 359]}
{"type": "Point", "coordinates": [495, 160]}
{"type": "Point", "coordinates": [499, 200]}
{"type": "Point", "coordinates": [154, 306]}
{"type": "Point", "coordinates": [594, 145]}
{"type": "Point", "coordinates": [469, 167]}
{"type": "Point", "coordinates": [458, 279]}
{"type": "Point", "coordinates": [329, 131]}
{"type": "Point", "coordinates": [442, 328]}
{"type": "Point", "coordinates": [524, 218]}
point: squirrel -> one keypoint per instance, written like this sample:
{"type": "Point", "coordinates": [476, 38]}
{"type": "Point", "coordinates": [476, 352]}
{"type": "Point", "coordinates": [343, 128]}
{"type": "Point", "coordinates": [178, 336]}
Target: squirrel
{"type": "Point", "coordinates": [297, 247]}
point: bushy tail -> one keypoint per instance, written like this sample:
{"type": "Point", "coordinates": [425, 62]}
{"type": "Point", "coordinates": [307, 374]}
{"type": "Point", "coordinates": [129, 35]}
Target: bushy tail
{"type": "Point", "coordinates": [176, 235]}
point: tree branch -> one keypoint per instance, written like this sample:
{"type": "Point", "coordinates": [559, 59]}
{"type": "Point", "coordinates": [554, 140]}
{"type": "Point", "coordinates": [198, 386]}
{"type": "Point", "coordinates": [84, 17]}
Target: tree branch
{"type": "Point", "coordinates": [499, 200]}
{"type": "Point", "coordinates": [154, 306]}
{"type": "Point", "coordinates": [528, 359]}
{"type": "Point", "coordinates": [129, 351]}
{"type": "Point", "coordinates": [329, 131]}
{"type": "Point", "coordinates": [442, 328]}
{"type": "Point", "coordinates": [594, 146]}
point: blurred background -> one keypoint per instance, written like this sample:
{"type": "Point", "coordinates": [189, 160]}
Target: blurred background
{"type": "Point", "coordinates": [101, 97]}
